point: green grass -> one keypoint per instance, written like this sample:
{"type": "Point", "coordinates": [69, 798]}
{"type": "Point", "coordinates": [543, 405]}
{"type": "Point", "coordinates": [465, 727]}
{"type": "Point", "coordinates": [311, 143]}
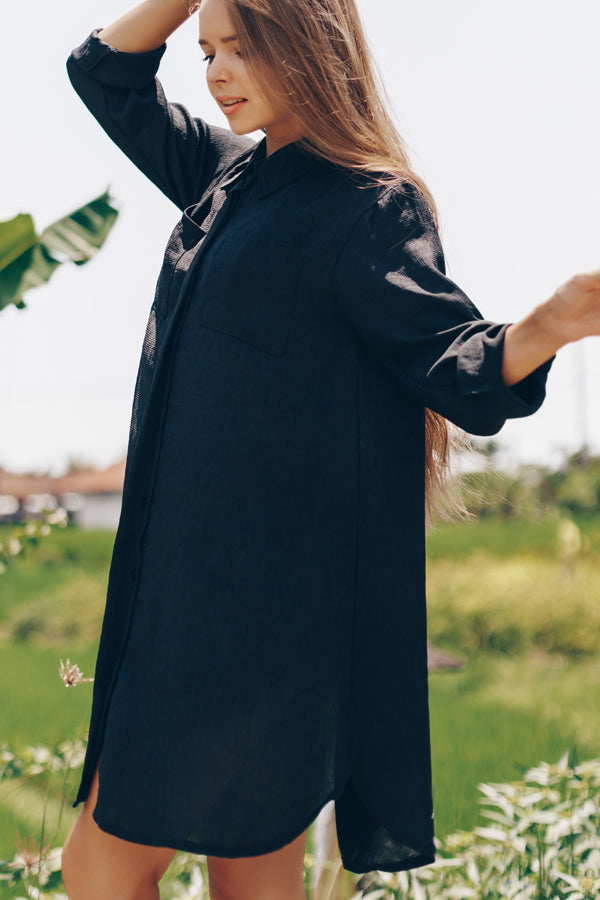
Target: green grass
{"type": "Point", "coordinates": [506, 537]}
{"type": "Point", "coordinates": [526, 619]}
{"type": "Point", "coordinates": [51, 605]}
{"type": "Point", "coordinates": [515, 604]}
{"type": "Point", "coordinates": [38, 709]}
{"type": "Point", "coordinates": [64, 555]}
{"type": "Point", "coordinates": [501, 715]}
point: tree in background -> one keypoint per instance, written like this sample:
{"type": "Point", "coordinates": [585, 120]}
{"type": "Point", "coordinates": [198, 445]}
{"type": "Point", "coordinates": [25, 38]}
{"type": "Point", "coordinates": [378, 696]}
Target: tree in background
{"type": "Point", "coordinates": [573, 488]}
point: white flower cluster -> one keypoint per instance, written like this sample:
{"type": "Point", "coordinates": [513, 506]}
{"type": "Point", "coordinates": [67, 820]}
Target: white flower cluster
{"type": "Point", "coordinates": [543, 841]}
{"type": "Point", "coordinates": [33, 760]}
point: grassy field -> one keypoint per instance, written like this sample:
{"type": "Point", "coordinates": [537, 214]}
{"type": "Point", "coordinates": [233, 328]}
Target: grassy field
{"type": "Point", "coordinates": [521, 606]}
{"type": "Point", "coordinates": [506, 597]}
{"type": "Point", "coordinates": [499, 716]}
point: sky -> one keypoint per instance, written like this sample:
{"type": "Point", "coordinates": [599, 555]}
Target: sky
{"type": "Point", "coordinates": [499, 106]}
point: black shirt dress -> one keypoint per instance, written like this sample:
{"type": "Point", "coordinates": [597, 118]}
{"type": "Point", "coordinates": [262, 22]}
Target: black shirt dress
{"type": "Point", "coordinates": [263, 648]}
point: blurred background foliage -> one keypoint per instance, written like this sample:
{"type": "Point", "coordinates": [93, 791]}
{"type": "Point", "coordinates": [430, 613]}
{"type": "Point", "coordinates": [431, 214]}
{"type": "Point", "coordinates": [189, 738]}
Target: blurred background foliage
{"type": "Point", "coordinates": [28, 259]}
{"type": "Point", "coordinates": [530, 490]}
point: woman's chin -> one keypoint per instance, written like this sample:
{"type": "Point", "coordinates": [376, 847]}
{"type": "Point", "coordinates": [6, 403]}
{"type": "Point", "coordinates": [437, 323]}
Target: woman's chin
{"type": "Point", "coordinates": [240, 128]}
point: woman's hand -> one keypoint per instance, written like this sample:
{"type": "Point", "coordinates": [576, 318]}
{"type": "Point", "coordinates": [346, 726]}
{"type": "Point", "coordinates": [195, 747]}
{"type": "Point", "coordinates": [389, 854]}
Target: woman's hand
{"type": "Point", "coordinates": [572, 313]}
{"type": "Point", "coordinates": [147, 26]}
{"type": "Point", "coordinates": [574, 308]}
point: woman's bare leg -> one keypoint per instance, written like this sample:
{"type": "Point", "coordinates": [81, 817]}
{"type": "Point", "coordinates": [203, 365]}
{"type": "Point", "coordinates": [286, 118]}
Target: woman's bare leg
{"type": "Point", "coordinates": [273, 876]}
{"type": "Point", "coordinates": [99, 866]}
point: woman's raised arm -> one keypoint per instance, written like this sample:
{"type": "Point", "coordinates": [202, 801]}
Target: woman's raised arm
{"type": "Point", "coordinates": [114, 73]}
{"type": "Point", "coordinates": [572, 313]}
{"type": "Point", "coordinates": [146, 26]}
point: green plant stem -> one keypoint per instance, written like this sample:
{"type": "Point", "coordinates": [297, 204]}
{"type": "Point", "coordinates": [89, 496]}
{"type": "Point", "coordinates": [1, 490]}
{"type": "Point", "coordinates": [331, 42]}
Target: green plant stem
{"type": "Point", "coordinates": [43, 829]}
{"type": "Point", "coordinates": [64, 791]}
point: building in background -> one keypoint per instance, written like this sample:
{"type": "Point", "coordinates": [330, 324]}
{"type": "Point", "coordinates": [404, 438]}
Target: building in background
{"type": "Point", "coordinates": [92, 498]}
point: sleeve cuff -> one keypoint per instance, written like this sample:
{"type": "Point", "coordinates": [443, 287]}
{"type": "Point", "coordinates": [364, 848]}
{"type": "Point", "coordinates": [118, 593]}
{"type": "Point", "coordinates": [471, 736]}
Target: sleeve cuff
{"type": "Point", "coordinates": [115, 67]}
{"type": "Point", "coordinates": [479, 371]}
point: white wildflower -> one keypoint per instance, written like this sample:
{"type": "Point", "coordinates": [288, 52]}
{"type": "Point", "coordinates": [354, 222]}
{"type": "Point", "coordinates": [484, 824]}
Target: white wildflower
{"type": "Point", "coordinates": [71, 674]}
{"type": "Point", "coordinates": [31, 858]}
{"type": "Point", "coordinates": [14, 546]}
{"type": "Point", "coordinates": [58, 517]}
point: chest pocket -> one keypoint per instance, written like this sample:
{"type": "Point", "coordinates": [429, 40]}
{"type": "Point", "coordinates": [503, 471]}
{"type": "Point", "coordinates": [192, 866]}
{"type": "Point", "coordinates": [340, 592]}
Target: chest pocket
{"type": "Point", "coordinates": [250, 291]}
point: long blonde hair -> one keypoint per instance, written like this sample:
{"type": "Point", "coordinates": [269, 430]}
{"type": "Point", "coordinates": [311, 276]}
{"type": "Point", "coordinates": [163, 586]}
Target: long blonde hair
{"type": "Point", "coordinates": [311, 59]}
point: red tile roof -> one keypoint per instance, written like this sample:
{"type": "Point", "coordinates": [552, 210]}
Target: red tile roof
{"type": "Point", "coordinates": [94, 481]}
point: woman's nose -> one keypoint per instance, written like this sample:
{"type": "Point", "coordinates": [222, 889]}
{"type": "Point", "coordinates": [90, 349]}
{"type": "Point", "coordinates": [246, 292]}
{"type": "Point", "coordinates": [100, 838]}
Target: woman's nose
{"type": "Point", "coordinates": [218, 72]}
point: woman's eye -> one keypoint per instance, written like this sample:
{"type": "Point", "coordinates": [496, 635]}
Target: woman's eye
{"type": "Point", "coordinates": [210, 56]}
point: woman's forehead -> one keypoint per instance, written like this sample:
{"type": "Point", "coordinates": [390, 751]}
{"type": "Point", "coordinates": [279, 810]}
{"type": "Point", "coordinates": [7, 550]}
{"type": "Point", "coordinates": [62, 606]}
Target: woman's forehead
{"type": "Point", "coordinates": [214, 22]}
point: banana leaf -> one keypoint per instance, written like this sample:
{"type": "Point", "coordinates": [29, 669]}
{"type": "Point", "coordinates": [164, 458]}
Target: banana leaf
{"type": "Point", "coordinates": [28, 260]}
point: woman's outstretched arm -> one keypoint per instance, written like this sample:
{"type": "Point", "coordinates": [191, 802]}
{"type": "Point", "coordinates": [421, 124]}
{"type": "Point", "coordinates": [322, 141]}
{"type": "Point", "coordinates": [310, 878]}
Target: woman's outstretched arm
{"type": "Point", "coordinates": [572, 313]}
{"type": "Point", "coordinates": [146, 26]}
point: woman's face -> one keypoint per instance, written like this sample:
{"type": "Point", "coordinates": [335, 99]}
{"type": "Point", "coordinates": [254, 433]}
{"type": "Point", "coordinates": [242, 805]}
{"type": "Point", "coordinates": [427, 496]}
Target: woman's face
{"type": "Point", "coordinates": [231, 83]}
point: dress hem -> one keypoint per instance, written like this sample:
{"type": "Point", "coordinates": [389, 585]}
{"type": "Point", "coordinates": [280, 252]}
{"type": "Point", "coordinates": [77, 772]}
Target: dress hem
{"type": "Point", "coordinates": [213, 849]}
{"type": "Point", "coordinates": [409, 862]}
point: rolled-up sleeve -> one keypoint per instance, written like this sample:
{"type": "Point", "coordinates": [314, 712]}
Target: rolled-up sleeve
{"type": "Point", "coordinates": [178, 152]}
{"type": "Point", "coordinates": [390, 283]}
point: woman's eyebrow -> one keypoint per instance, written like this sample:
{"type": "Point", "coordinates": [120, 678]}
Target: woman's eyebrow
{"type": "Point", "coordinates": [225, 40]}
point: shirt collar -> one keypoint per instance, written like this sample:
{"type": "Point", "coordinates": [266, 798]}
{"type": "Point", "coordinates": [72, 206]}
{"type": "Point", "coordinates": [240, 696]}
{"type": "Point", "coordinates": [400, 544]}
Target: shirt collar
{"type": "Point", "coordinates": [278, 169]}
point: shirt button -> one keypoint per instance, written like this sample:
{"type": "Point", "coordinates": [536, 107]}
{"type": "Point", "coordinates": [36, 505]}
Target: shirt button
{"type": "Point", "coordinates": [133, 575]}
{"type": "Point", "coordinates": [145, 499]}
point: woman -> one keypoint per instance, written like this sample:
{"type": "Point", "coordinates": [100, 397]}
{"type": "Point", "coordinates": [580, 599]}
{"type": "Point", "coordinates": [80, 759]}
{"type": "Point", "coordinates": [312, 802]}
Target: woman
{"type": "Point", "coordinates": [263, 648]}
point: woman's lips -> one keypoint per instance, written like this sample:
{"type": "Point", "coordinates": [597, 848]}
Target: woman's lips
{"type": "Point", "coordinates": [229, 108]}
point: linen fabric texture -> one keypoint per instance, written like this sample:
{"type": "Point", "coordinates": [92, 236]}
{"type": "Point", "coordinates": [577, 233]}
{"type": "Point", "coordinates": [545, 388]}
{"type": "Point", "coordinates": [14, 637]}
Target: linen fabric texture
{"type": "Point", "coordinates": [263, 649]}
